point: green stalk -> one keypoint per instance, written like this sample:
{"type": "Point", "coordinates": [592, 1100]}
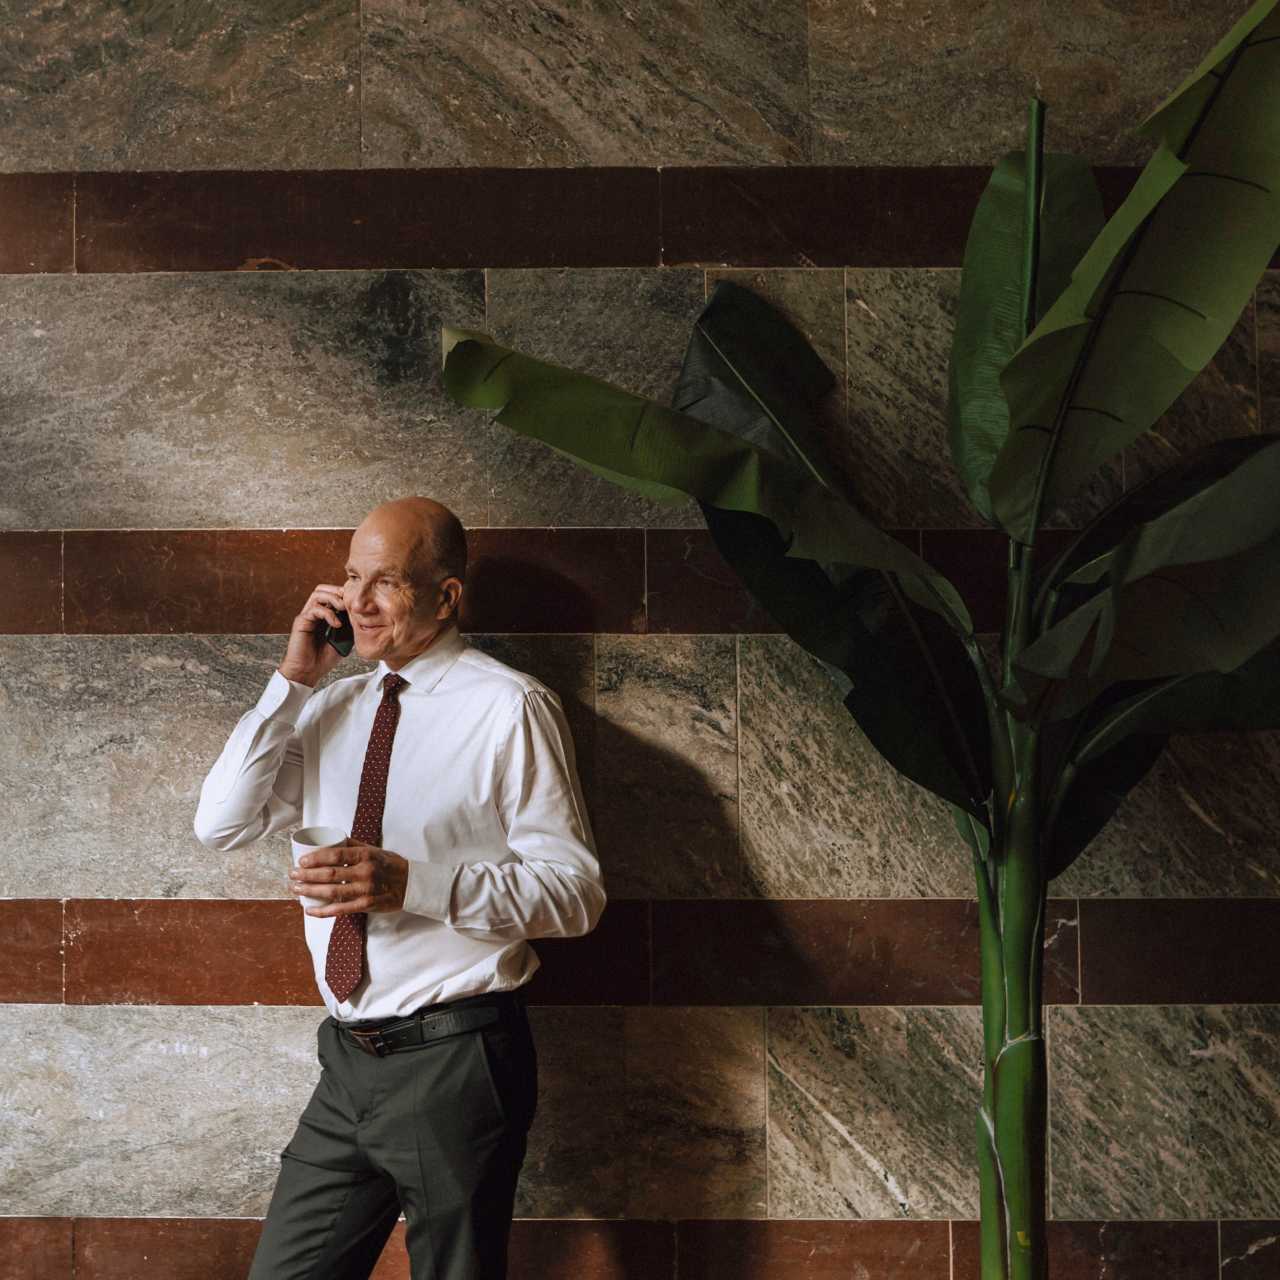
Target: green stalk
{"type": "Point", "coordinates": [1012, 1118]}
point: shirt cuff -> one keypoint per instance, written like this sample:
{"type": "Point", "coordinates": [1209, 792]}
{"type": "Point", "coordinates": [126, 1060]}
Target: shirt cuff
{"type": "Point", "coordinates": [429, 891]}
{"type": "Point", "coordinates": [283, 699]}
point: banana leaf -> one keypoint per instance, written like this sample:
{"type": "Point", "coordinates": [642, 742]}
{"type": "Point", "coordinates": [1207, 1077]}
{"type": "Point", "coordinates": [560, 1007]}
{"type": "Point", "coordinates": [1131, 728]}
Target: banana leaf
{"type": "Point", "coordinates": [1160, 288]}
{"type": "Point", "coordinates": [991, 322]}
{"type": "Point", "coordinates": [1189, 591]}
{"type": "Point", "coordinates": [1068, 579]}
{"type": "Point", "coordinates": [904, 674]}
{"type": "Point", "coordinates": [644, 446]}
{"type": "Point", "coordinates": [1119, 742]}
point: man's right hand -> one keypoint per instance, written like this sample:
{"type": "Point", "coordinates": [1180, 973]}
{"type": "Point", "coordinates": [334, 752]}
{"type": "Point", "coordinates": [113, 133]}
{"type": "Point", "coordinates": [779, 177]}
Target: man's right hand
{"type": "Point", "coordinates": [308, 658]}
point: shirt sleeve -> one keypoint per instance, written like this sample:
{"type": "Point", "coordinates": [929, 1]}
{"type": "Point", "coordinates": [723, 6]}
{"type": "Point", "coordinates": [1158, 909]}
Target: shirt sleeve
{"type": "Point", "coordinates": [255, 785]}
{"type": "Point", "coordinates": [554, 888]}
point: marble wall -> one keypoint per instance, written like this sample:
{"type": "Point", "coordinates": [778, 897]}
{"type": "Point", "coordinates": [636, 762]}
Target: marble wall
{"type": "Point", "coordinates": [765, 1059]}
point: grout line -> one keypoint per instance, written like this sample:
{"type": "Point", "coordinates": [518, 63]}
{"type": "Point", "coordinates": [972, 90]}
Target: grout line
{"type": "Point", "coordinates": [1080, 952]}
{"type": "Point", "coordinates": [764, 1039]}
{"type": "Point", "coordinates": [1219, 1249]}
{"type": "Point", "coordinates": [661, 246]}
{"type": "Point", "coordinates": [360, 84]}
{"type": "Point", "coordinates": [951, 1249]}
{"type": "Point", "coordinates": [75, 198]}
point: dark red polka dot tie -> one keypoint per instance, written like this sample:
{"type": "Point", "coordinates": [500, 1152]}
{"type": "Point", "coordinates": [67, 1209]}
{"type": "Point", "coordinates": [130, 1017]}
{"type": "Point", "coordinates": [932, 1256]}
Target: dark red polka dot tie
{"type": "Point", "coordinates": [344, 961]}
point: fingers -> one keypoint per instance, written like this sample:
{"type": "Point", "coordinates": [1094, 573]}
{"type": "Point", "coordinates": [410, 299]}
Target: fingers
{"type": "Point", "coordinates": [325, 602]}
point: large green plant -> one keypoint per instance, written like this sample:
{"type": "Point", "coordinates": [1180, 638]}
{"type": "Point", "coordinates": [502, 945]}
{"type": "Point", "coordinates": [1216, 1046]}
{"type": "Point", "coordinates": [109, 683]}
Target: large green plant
{"type": "Point", "coordinates": [1072, 339]}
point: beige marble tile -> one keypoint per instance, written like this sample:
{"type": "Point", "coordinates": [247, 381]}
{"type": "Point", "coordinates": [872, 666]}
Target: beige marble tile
{"type": "Point", "coordinates": [823, 813]}
{"type": "Point", "coordinates": [695, 1113]}
{"type": "Point", "coordinates": [110, 738]}
{"type": "Point", "coordinates": [555, 83]}
{"type": "Point", "coordinates": [1164, 1111]}
{"type": "Point", "coordinates": [160, 1110]}
{"type": "Point", "coordinates": [871, 1112]}
{"type": "Point", "coordinates": [667, 765]}
{"type": "Point", "coordinates": [234, 399]}
{"type": "Point", "coordinates": [236, 85]}
{"type": "Point", "coordinates": [918, 84]}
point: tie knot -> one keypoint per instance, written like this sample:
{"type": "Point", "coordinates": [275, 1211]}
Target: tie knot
{"type": "Point", "coordinates": [392, 683]}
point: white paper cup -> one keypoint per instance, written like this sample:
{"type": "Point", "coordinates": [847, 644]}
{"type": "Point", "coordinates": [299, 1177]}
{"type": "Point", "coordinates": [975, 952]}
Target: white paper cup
{"type": "Point", "coordinates": [304, 840]}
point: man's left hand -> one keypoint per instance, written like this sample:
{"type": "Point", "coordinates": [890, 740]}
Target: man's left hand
{"type": "Point", "coordinates": [352, 877]}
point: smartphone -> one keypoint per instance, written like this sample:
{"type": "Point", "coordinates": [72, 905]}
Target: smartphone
{"type": "Point", "coordinates": [342, 638]}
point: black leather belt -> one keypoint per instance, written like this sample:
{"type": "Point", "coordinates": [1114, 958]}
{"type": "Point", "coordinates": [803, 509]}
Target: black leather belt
{"type": "Point", "coordinates": [431, 1022]}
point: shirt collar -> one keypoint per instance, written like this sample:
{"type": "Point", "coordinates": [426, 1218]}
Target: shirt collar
{"type": "Point", "coordinates": [424, 671]}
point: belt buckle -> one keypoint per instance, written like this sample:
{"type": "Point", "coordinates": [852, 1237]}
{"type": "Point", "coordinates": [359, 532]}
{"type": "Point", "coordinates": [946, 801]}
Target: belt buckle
{"type": "Point", "coordinates": [370, 1042]}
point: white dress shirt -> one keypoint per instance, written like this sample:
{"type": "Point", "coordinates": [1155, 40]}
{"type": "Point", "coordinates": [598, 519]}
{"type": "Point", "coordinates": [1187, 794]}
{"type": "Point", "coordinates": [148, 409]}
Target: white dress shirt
{"type": "Point", "coordinates": [483, 799]}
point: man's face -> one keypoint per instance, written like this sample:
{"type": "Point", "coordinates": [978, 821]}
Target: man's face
{"type": "Point", "coordinates": [393, 617]}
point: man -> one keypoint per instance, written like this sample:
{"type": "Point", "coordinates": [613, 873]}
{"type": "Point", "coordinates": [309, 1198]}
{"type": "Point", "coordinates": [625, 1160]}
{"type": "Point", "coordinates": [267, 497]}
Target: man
{"type": "Point", "coordinates": [470, 835]}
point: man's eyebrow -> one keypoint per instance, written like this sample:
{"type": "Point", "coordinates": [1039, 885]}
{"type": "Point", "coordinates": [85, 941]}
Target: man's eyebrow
{"type": "Point", "coordinates": [382, 568]}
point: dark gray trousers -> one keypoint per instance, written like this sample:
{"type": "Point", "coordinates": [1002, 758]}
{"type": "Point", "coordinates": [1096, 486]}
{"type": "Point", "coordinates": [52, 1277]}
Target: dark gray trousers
{"type": "Point", "coordinates": [438, 1130]}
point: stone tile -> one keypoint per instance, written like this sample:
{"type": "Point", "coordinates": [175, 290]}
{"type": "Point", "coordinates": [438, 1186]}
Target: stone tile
{"type": "Point", "coordinates": [556, 581]}
{"type": "Point", "coordinates": [243, 399]}
{"type": "Point", "coordinates": [813, 1250]}
{"type": "Point", "coordinates": [31, 950]}
{"type": "Point", "coordinates": [818, 215]}
{"type": "Point", "coordinates": [900, 326]}
{"type": "Point", "coordinates": [916, 84]}
{"type": "Point", "coordinates": [695, 1113]}
{"type": "Point", "coordinates": [647, 83]}
{"type": "Point", "coordinates": [628, 327]}
{"type": "Point", "coordinates": [609, 965]}
{"type": "Point", "coordinates": [238, 85]}
{"type": "Point", "coordinates": [667, 1094]}
{"type": "Point", "coordinates": [37, 217]}
{"type": "Point", "coordinates": [1249, 1249]}
{"type": "Point", "coordinates": [179, 1248]}
{"type": "Point", "coordinates": [823, 813]}
{"type": "Point", "coordinates": [871, 1112]}
{"type": "Point", "coordinates": [366, 219]}
{"type": "Point", "coordinates": [199, 951]}
{"type": "Point", "coordinates": [1164, 1111]}
{"type": "Point", "coordinates": [1201, 824]}
{"type": "Point", "coordinates": [894, 951]}
{"type": "Point", "coordinates": [240, 581]}
{"type": "Point", "coordinates": [42, 1244]}
{"type": "Point", "coordinates": [151, 1110]}
{"type": "Point", "coordinates": [196, 581]}
{"type": "Point", "coordinates": [222, 1248]}
{"type": "Point", "coordinates": [582, 1113]}
{"type": "Point", "coordinates": [667, 772]}
{"type": "Point", "coordinates": [690, 587]}
{"type": "Point", "coordinates": [1088, 1250]}
{"type": "Point", "coordinates": [109, 796]}
{"type": "Point", "coordinates": [628, 1249]}
{"type": "Point", "coordinates": [1221, 401]}
{"type": "Point", "coordinates": [31, 579]}
{"type": "Point", "coordinates": [1180, 951]}
{"type": "Point", "coordinates": [187, 952]}
{"type": "Point", "coordinates": [1267, 315]}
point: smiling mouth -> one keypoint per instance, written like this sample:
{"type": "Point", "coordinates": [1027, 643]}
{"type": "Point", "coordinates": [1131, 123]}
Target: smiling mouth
{"type": "Point", "coordinates": [363, 627]}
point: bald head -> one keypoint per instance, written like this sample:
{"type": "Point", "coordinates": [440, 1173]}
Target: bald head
{"type": "Point", "coordinates": [404, 577]}
{"type": "Point", "coordinates": [423, 534]}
